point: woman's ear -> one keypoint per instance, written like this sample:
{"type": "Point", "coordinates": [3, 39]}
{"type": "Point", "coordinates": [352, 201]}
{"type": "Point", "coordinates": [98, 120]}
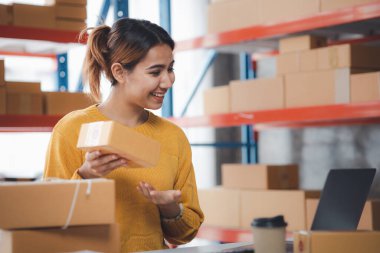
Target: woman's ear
{"type": "Point", "coordinates": [118, 72]}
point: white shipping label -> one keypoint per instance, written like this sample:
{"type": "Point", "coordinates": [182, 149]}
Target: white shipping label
{"type": "Point", "coordinates": [94, 133]}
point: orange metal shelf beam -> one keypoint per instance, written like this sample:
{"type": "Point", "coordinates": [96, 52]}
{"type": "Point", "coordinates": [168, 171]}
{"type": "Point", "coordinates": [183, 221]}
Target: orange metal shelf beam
{"type": "Point", "coordinates": [9, 53]}
{"type": "Point", "coordinates": [30, 33]}
{"type": "Point", "coordinates": [28, 123]}
{"type": "Point", "coordinates": [327, 115]}
{"type": "Point", "coordinates": [325, 19]}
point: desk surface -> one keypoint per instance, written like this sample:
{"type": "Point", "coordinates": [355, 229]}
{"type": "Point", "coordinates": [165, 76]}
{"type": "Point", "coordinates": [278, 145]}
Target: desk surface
{"type": "Point", "coordinates": [205, 249]}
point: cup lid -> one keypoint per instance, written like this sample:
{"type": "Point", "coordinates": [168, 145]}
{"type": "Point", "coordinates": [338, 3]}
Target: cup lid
{"type": "Point", "coordinates": [272, 222]}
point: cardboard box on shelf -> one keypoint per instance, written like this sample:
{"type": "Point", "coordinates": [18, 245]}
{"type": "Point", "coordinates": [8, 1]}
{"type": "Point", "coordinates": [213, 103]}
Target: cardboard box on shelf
{"type": "Point", "coordinates": [217, 100]}
{"type": "Point", "coordinates": [277, 11]}
{"type": "Point", "coordinates": [348, 56]}
{"type": "Point", "coordinates": [329, 5]}
{"type": "Point", "coordinates": [269, 203]}
{"type": "Point", "coordinates": [71, 12]}
{"type": "Point", "coordinates": [308, 60]}
{"type": "Point", "coordinates": [2, 73]}
{"type": "Point", "coordinates": [97, 238]}
{"type": "Point", "coordinates": [229, 15]}
{"type": "Point", "coordinates": [112, 137]}
{"type": "Point", "coordinates": [258, 94]}
{"type": "Point", "coordinates": [3, 101]}
{"type": "Point", "coordinates": [71, 2]}
{"type": "Point", "coordinates": [288, 63]}
{"type": "Point", "coordinates": [336, 241]}
{"type": "Point", "coordinates": [48, 203]}
{"type": "Point", "coordinates": [259, 176]}
{"type": "Point", "coordinates": [34, 16]}
{"type": "Point", "coordinates": [24, 98]}
{"type": "Point", "coordinates": [365, 87]}
{"type": "Point", "coordinates": [301, 43]}
{"type": "Point", "coordinates": [61, 103]}
{"type": "Point", "coordinates": [6, 14]}
{"type": "Point", "coordinates": [220, 206]}
{"type": "Point", "coordinates": [370, 219]}
{"type": "Point", "coordinates": [70, 25]}
{"type": "Point", "coordinates": [317, 88]}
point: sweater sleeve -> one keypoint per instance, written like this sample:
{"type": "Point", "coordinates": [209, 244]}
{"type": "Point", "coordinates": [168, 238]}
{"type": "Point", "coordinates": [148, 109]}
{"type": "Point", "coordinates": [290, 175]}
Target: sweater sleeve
{"type": "Point", "coordinates": [63, 158]}
{"type": "Point", "coordinates": [183, 230]}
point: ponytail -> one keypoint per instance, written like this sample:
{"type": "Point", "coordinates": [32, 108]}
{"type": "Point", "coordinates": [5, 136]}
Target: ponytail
{"type": "Point", "coordinates": [97, 58]}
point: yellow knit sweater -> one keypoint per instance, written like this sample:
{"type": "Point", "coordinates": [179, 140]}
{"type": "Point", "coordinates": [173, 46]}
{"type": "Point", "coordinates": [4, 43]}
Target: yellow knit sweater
{"type": "Point", "coordinates": [140, 224]}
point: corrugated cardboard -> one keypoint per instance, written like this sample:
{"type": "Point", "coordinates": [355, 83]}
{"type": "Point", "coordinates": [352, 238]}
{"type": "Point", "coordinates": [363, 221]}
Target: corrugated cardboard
{"type": "Point", "coordinates": [348, 56]}
{"type": "Point", "coordinates": [71, 2]}
{"type": "Point", "coordinates": [3, 101]}
{"type": "Point", "coordinates": [61, 103]}
{"type": "Point", "coordinates": [336, 241]}
{"type": "Point", "coordinates": [220, 206]}
{"type": "Point", "coordinates": [276, 11]}
{"type": "Point", "coordinates": [317, 88]}
{"type": "Point", "coordinates": [47, 204]}
{"type": "Point", "coordinates": [34, 16]}
{"type": "Point", "coordinates": [70, 25]}
{"type": "Point", "coordinates": [2, 73]}
{"type": "Point", "coordinates": [365, 87]}
{"type": "Point", "coordinates": [258, 94]}
{"type": "Point", "coordinates": [6, 14]}
{"type": "Point", "coordinates": [301, 43]}
{"type": "Point", "coordinates": [288, 63]}
{"type": "Point", "coordinates": [308, 60]}
{"type": "Point", "coordinates": [24, 98]}
{"type": "Point", "coordinates": [112, 137]}
{"type": "Point", "coordinates": [71, 12]}
{"type": "Point", "coordinates": [259, 176]}
{"type": "Point", "coordinates": [230, 15]}
{"type": "Point", "coordinates": [99, 238]}
{"type": "Point", "coordinates": [370, 219]}
{"type": "Point", "coordinates": [329, 5]}
{"type": "Point", "coordinates": [269, 203]}
{"type": "Point", "coordinates": [217, 100]}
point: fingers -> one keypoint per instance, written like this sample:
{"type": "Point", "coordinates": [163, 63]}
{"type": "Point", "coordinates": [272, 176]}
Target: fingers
{"type": "Point", "coordinates": [159, 197]}
{"type": "Point", "coordinates": [98, 164]}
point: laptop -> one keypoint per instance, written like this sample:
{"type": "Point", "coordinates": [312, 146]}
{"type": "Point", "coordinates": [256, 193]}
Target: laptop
{"type": "Point", "coordinates": [342, 200]}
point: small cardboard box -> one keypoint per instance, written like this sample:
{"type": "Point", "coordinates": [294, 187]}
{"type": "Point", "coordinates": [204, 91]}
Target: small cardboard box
{"type": "Point", "coordinates": [3, 101]}
{"type": "Point", "coordinates": [257, 94]}
{"type": "Point", "coordinates": [97, 238]}
{"type": "Point", "coordinates": [269, 203]}
{"type": "Point", "coordinates": [329, 5]}
{"type": "Point", "coordinates": [301, 43]}
{"type": "Point", "coordinates": [220, 206]}
{"type": "Point", "coordinates": [71, 2]}
{"type": "Point", "coordinates": [336, 241]}
{"type": "Point", "coordinates": [70, 25]}
{"type": "Point", "coordinates": [348, 56]}
{"type": "Point", "coordinates": [365, 87]}
{"type": "Point", "coordinates": [34, 16]}
{"type": "Point", "coordinates": [112, 137]}
{"type": "Point", "coordinates": [217, 100]}
{"type": "Point", "coordinates": [259, 176]}
{"type": "Point", "coordinates": [308, 60]}
{"type": "Point", "coordinates": [48, 204]}
{"type": "Point", "coordinates": [6, 14]}
{"type": "Point", "coordinates": [71, 12]}
{"type": "Point", "coordinates": [230, 15]}
{"type": "Point", "coordinates": [317, 88]}
{"type": "Point", "coordinates": [61, 103]}
{"type": "Point", "coordinates": [24, 98]}
{"type": "Point", "coordinates": [370, 219]}
{"type": "Point", "coordinates": [288, 63]}
{"type": "Point", "coordinates": [2, 73]}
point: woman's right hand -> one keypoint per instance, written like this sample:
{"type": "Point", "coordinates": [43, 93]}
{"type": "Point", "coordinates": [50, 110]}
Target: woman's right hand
{"type": "Point", "coordinates": [98, 165]}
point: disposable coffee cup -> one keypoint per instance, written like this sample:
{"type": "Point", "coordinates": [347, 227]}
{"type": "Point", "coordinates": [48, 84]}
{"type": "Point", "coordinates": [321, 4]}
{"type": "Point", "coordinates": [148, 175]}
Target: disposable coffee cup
{"type": "Point", "coordinates": [269, 234]}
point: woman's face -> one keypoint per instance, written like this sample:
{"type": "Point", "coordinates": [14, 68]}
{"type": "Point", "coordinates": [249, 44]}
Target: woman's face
{"type": "Point", "coordinates": [151, 78]}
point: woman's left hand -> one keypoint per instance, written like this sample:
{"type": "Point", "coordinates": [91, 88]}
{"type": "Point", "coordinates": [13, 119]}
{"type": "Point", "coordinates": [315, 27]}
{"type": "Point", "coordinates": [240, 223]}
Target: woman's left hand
{"type": "Point", "coordinates": [167, 201]}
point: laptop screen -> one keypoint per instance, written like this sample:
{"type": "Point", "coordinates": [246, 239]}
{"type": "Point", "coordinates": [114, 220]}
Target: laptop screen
{"type": "Point", "coordinates": [343, 197]}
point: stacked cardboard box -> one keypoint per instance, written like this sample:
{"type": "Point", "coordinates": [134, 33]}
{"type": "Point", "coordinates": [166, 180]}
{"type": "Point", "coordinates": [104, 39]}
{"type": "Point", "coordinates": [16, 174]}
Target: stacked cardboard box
{"type": "Point", "coordinates": [2, 89]}
{"type": "Point", "coordinates": [216, 100]}
{"type": "Point", "coordinates": [61, 103]}
{"type": "Point", "coordinates": [23, 98]}
{"type": "Point", "coordinates": [34, 16]}
{"type": "Point", "coordinates": [58, 216]}
{"type": "Point", "coordinates": [6, 14]}
{"type": "Point", "coordinates": [71, 15]}
{"type": "Point", "coordinates": [365, 87]}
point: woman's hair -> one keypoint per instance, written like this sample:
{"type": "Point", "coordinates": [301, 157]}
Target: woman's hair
{"type": "Point", "coordinates": [127, 42]}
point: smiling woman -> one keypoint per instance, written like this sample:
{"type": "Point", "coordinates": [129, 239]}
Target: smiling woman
{"type": "Point", "coordinates": [152, 204]}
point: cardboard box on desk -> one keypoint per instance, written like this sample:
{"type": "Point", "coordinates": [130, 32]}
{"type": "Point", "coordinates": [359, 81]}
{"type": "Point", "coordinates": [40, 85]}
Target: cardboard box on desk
{"type": "Point", "coordinates": [99, 238]}
{"type": "Point", "coordinates": [24, 98]}
{"type": "Point", "coordinates": [34, 16]}
{"type": "Point", "coordinates": [301, 43]}
{"type": "Point", "coordinates": [216, 100]}
{"type": "Point", "coordinates": [259, 176]}
{"type": "Point", "coordinates": [370, 219]}
{"type": "Point", "coordinates": [220, 206]}
{"type": "Point", "coordinates": [258, 94]}
{"type": "Point", "coordinates": [6, 14]}
{"type": "Point", "coordinates": [48, 204]}
{"type": "Point", "coordinates": [61, 103]}
{"type": "Point", "coordinates": [112, 137]}
{"type": "Point", "coordinates": [365, 87]}
{"type": "Point", "coordinates": [336, 241]}
{"type": "Point", "coordinates": [269, 203]}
